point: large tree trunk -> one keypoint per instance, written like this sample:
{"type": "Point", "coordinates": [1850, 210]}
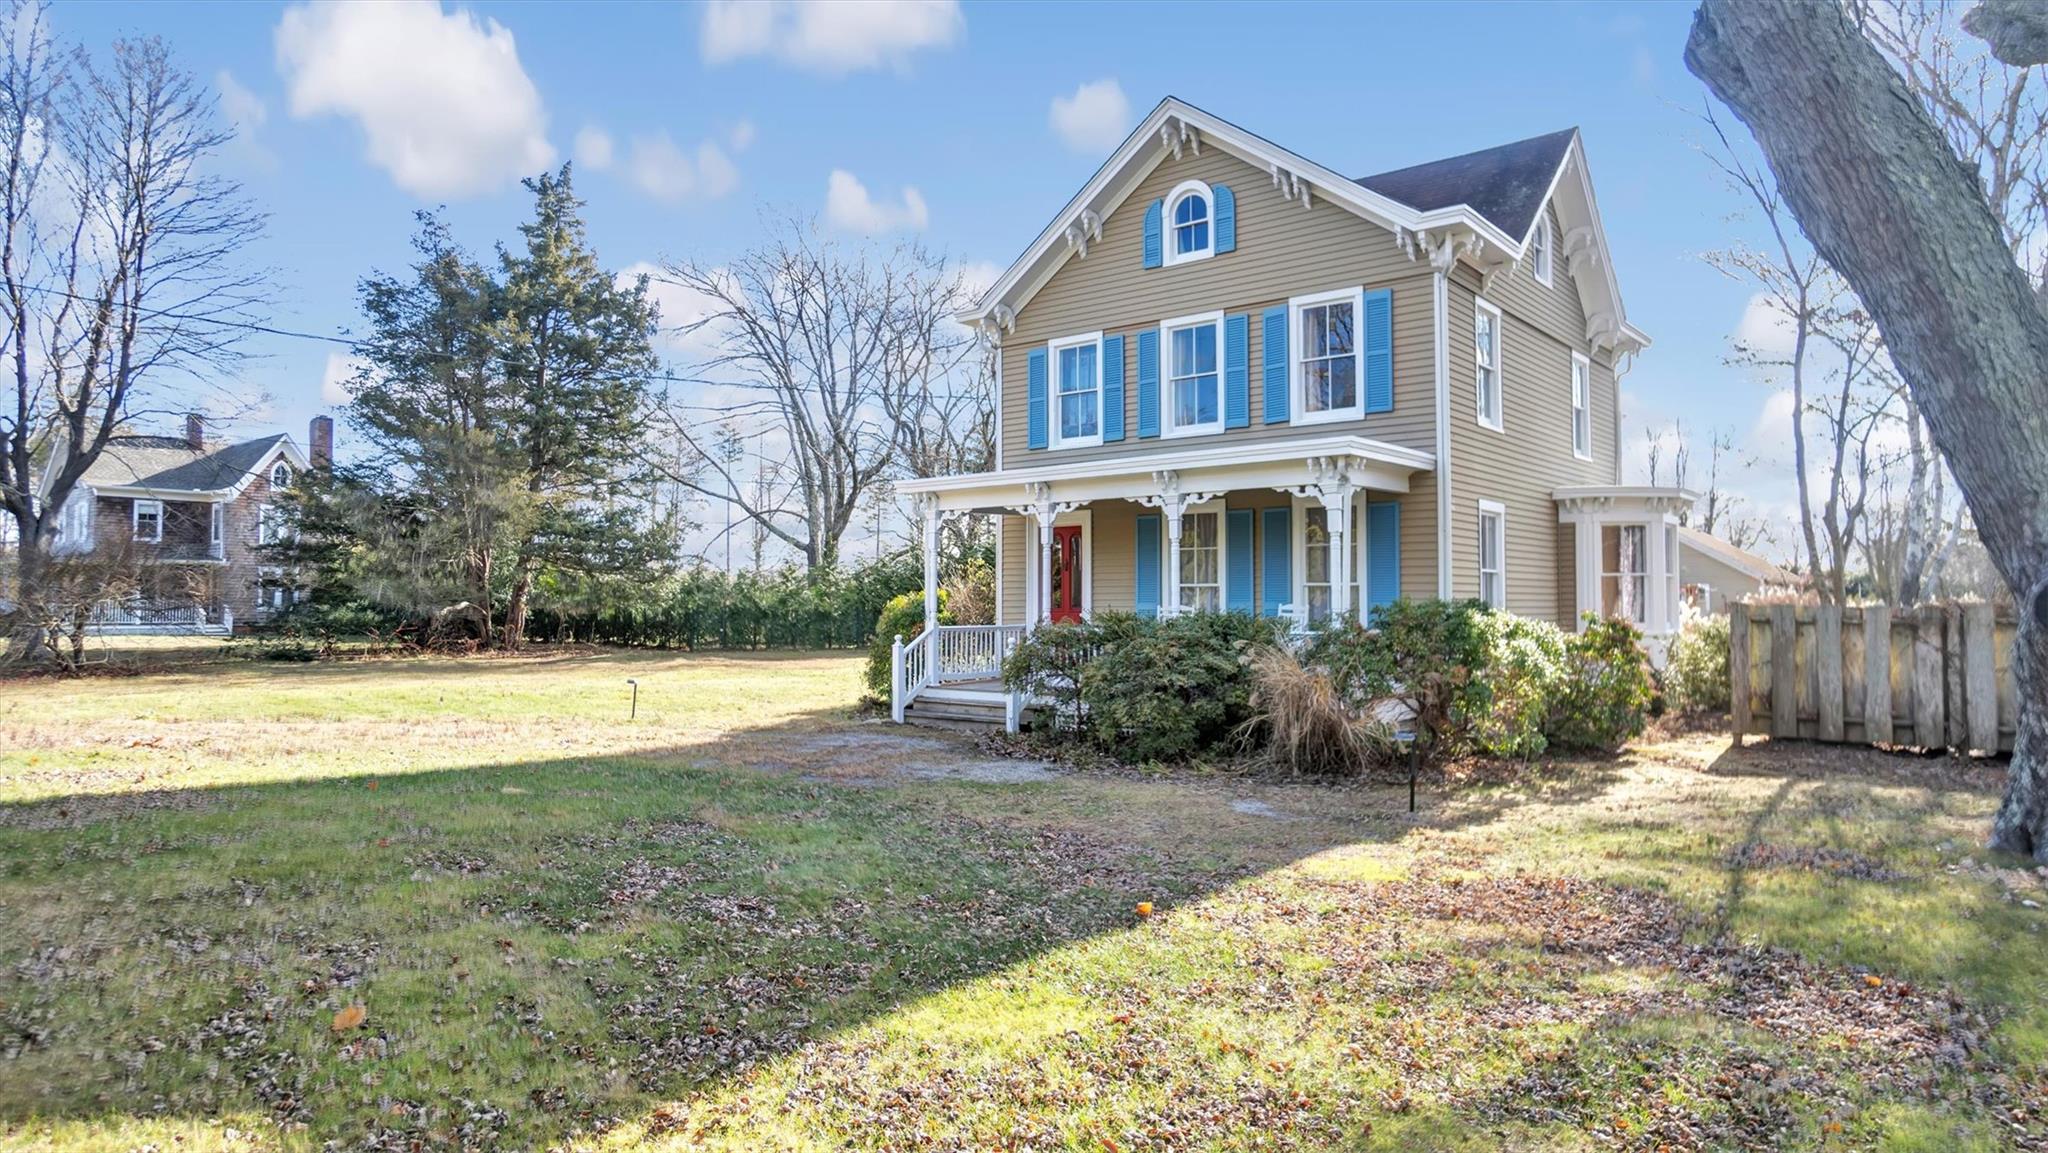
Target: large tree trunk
{"type": "Point", "coordinates": [1882, 197]}
{"type": "Point", "coordinates": [28, 641]}
{"type": "Point", "coordinates": [515, 605]}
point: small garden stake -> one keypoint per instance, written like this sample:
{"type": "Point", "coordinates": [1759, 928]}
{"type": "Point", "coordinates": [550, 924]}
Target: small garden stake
{"type": "Point", "coordinates": [1407, 737]}
{"type": "Point", "coordinates": [633, 710]}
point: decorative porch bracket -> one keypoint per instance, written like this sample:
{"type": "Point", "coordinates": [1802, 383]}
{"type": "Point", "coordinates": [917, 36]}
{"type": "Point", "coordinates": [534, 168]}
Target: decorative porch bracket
{"type": "Point", "coordinates": [1174, 503]}
{"type": "Point", "coordinates": [1044, 510]}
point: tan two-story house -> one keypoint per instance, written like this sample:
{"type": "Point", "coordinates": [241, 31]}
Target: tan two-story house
{"type": "Point", "coordinates": [1233, 379]}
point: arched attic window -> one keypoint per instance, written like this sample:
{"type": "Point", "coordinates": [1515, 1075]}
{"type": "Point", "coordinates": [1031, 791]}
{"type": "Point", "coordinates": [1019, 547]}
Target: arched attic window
{"type": "Point", "coordinates": [280, 475]}
{"type": "Point", "coordinates": [1190, 221]}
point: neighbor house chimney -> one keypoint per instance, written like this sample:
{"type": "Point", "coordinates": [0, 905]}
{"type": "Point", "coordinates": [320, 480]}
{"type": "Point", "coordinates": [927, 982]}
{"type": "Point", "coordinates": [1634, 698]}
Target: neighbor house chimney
{"type": "Point", "coordinates": [195, 430]}
{"type": "Point", "coordinates": [320, 441]}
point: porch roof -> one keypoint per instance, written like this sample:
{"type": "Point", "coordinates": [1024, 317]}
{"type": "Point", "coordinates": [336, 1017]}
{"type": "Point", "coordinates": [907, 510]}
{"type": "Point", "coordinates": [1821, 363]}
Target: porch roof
{"type": "Point", "coordinates": [1284, 462]}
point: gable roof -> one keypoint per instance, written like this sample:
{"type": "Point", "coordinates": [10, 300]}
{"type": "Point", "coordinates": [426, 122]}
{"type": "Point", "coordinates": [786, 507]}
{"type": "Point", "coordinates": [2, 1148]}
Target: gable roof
{"type": "Point", "coordinates": [1445, 208]}
{"type": "Point", "coordinates": [168, 464]}
{"type": "Point", "coordinates": [1741, 560]}
{"type": "Point", "coordinates": [1506, 184]}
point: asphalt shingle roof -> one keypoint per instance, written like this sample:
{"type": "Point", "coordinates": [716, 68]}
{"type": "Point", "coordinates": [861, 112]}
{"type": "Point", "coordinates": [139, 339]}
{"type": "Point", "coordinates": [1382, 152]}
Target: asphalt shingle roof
{"type": "Point", "coordinates": [1505, 184]}
{"type": "Point", "coordinates": [167, 462]}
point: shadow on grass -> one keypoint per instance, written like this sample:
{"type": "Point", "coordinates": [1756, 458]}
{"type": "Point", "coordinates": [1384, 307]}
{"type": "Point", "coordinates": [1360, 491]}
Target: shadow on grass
{"type": "Point", "coordinates": [545, 947]}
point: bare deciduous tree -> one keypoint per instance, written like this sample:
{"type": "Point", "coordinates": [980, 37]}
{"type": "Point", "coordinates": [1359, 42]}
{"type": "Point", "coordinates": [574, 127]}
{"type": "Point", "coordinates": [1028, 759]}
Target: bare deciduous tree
{"type": "Point", "coordinates": [1878, 190]}
{"type": "Point", "coordinates": [119, 265]}
{"type": "Point", "coordinates": [851, 362]}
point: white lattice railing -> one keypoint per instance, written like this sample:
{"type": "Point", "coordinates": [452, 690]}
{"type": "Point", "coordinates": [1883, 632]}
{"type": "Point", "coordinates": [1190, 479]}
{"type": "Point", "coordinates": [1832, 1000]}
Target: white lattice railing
{"type": "Point", "coordinates": [974, 652]}
{"type": "Point", "coordinates": [910, 669]}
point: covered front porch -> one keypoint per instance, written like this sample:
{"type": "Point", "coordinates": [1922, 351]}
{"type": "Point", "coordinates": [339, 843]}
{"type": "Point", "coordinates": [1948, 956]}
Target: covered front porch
{"type": "Point", "coordinates": [1302, 530]}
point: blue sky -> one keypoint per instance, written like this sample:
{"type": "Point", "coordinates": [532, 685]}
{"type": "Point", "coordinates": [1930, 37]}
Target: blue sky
{"type": "Point", "coordinates": [354, 118]}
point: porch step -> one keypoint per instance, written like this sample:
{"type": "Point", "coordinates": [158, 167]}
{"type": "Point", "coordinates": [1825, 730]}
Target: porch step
{"type": "Point", "coordinates": [954, 714]}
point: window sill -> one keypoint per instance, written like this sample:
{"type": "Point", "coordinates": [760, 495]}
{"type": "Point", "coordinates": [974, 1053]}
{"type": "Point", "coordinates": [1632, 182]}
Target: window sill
{"type": "Point", "coordinates": [1078, 442]}
{"type": "Point", "coordinates": [1190, 258]}
{"type": "Point", "coordinates": [1330, 416]}
{"type": "Point", "coordinates": [1495, 426]}
{"type": "Point", "coordinates": [1585, 456]}
{"type": "Point", "coordinates": [1192, 430]}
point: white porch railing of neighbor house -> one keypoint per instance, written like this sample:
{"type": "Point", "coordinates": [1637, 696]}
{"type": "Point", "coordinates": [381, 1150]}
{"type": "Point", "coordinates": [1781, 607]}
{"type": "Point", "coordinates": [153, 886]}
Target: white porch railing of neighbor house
{"type": "Point", "coordinates": [949, 654]}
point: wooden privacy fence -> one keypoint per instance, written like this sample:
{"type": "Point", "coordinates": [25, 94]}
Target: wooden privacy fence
{"type": "Point", "coordinates": [1933, 676]}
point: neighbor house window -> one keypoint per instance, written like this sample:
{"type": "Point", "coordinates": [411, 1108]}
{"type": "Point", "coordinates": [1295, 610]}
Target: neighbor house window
{"type": "Point", "coordinates": [1077, 387]}
{"type": "Point", "coordinates": [1328, 363]}
{"type": "Point", "coordinates": [269, 525]}
{"type": "Point", "coordinates": [1315, 562]}
{"type": "Point", "coordinates": [1486, 353]}
{"type": "Point", "coordinates": [1192, 401]}
{"type": "Point", "coordinates": [217, 528]}
{"type": "Point", "coordinates": [1493, 547]}
{"type": "Point", "coordinates": [1582, 407]}
{"type": "Point", "coordinates": [149, 520]}
{"type": "Point", "coordinates": [1189, 223]}
{"type": "Point", "coordinates": [74, 523]}
{"type": "Point", "coordinates": [1624, 571]}
{"type": "Point", "coordinates": [1539, 250]}
{"type": "Point", "coordinates": [1201, 561]}
{"type": "Point", "coordinates": [281, 475]}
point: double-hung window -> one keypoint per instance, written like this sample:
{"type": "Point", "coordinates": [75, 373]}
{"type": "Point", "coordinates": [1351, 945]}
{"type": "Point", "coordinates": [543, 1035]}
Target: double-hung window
{"type": "Point", "coordinates": [149, 520]}
{"type": "Point", "coordinates": [1486, 354]}
{"type": "Point", "coordinates": [217, 526]}
{"type": "Point", "coordinates": [1193, 399]}
{"type": "Point", "coordinates": [1582, 407]}
{"type": "Point", "coordinates": [1540, 251]}
{"type": "Point", "coordinates": [1201, 561]}
{"type": "Point", "coordinates": [1493, 542]}
{"type": "Point", "coordinates": [1190, 224]}
{"type": "Point", "coordinates": [269, 525]}
{"type": "Point", "coordinates": [1625, 572]}
{"type": "Point", "coordinates": [1077, 391]}
{"type": "Point", "coordinates": [1328, 360]}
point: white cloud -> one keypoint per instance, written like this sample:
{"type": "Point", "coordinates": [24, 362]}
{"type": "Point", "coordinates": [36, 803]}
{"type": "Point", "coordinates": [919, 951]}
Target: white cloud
{"type": "Point", "coordinates": [245, 113]}
{"type": "Point", "coordinates": [978, 276]}
{"type": "Point", "coordinates": [742, 136]}
{"type": "Point", "coordinates": [683, 312]}
{"type": "Point", "coordinates": [1765, 328]}
{"type": "Point", "coordinates": [444, 105]}
{"type": "Point", "coordinates": [848, 206]}
{"type": "Point", "coordinates": [334, 379]}
{"type": "Point", "coordinates": [832, 37]}
{"type": "Point", "coordinates": [593, 148]}
{"type": "Point", "coordinates": [1094, 119]}
{"type": "Point", "coordinates": [665, 172]}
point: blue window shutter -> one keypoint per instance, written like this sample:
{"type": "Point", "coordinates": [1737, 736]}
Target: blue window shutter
{"type": "Point", "coordinates": [1383, 553]}
{"type": "Point", "coordinates": [1276, 556]}
{"type": "Point", "coordinates": [1145, 541]}
{"type": "Point", "coordinates": [1237, 566]}
{"type": "Point", "coordinates": [1274, 354]}
{"type": "Point", "coordinates": [1237, 375]}
{"type": "Point", "coordinates": [1112, 388]}
{"type": "Point", "coordinates": [1154, 249]}
{"type": "Point", "coordinates": [1226, 219]}
{"type": "Point", "coordinates": [1034, 403]}
{"type": "Point", "coordinates": [1148, 382]}
{"type": "Point", "coordinates": [1379, 350]}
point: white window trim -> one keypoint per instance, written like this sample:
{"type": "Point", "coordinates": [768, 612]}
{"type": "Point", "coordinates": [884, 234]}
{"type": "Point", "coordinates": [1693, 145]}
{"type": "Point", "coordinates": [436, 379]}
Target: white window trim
{"type": "Point", "coordinates": [1543, 269]}
{"type": "Point", "coordinates": [276, 468]}
{"type": "Point", "coordinates": [217, 526]}
{"type": "Point", "coordinates": [1166, 426]}
{"type": "Point", "coordinates": [1582, 402]}
{"type": "Point", "coordinates": [135, 521]}
{"type": "Point", "coordinates": [1216, 506]}
{"type": "Point", "coordinates": [1180, 191]}
{"type": "Point", "coordinates": [1499, 511]}
{"type": "Point", "coordinates": [1053, 439]}
{"type": "Point", "coordinates": [1297, 349]}
{"type": "Point", "coordinates": [1497, 421]}
{"type": "Point", "coordinates": [1299, 594]}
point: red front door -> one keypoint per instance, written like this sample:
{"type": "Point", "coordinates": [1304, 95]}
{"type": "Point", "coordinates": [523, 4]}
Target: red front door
{"type": "Point", "coordinates": [1066, 572]}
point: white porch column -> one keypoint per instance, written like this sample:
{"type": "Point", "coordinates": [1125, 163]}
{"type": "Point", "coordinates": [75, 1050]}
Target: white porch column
{"type": "Point", "coordinates": [1330, 484]}
{"type": "Point", "coordinates": [928, 506]}
{"type": "Point", "coordinates": [1041, 513]}
{"type": "Point", "coordinates": [1172, 504]}
{"type": "Point", "coordinates": [1657, 617]}
{"type": "Point", "coordinates": [1586, 536]}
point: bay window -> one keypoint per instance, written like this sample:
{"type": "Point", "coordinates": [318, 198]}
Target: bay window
{"type": "Point", "coordinates": [1625, 572]}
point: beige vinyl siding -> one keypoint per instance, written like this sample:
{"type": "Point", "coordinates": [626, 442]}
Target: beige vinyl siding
{"type": "Point", "coordinates": [1114, 571]}
{"type": "Point", "coordinates": [1283, 250]}
{"type": "Point", "coordinates": [1567, 577]}
{"type": "Point", "coordinates": [1010, 567]}
{"type": "Point", "coordinates": [1696, 567]}
{"type": "Point", "coordinates": [1520, 466]}
{"type": "Point", "coordinates": [1418, 536]}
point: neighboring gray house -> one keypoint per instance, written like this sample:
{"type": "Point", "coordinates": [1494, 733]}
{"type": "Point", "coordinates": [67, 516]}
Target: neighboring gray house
{"type": "Point", "coordinates": [1717, 572]}
{"type": "Point", "coordinates": [195, 517]}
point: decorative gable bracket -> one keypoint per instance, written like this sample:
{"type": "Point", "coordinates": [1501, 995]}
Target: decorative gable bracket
{"type": "Point", "coordinates": [1086, 227]}
{"type": "Point", "coordinates": [1176, 133]}
{"type": "Point", "coordinates": [1444, 249]}
{"type": "Point", "coordinates": [1291, 184]}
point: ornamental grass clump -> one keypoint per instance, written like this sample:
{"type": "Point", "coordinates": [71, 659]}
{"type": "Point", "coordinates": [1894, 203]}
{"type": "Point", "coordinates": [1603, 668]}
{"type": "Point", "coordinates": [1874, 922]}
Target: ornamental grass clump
{"type": "Point", "coordinates": [1307, 725]}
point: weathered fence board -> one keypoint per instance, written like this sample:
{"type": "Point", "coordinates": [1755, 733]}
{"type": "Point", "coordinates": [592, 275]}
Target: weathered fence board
{"type": "Point", "coordinates": [1932, 676]}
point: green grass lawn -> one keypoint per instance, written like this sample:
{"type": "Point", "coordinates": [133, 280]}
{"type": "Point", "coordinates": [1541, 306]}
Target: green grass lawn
{"type": "Point", "coordinates": [748, 918]}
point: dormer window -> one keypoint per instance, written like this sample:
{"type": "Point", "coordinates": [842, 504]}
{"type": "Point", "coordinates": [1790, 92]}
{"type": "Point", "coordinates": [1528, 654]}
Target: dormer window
{"type": "Point", "coordinates": [1539, 250]}
{"type": "Point", "coordinates": [280, 475]}
{"type": "Point", "coordinates": [1189, 221]}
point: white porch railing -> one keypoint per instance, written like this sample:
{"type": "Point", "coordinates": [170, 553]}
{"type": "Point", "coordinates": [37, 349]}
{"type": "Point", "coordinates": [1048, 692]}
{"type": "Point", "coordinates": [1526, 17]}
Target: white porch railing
{"type": "Point", "coordinates": [975, 652]}
{"type": "Point", "coordinates": [949, 654]}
